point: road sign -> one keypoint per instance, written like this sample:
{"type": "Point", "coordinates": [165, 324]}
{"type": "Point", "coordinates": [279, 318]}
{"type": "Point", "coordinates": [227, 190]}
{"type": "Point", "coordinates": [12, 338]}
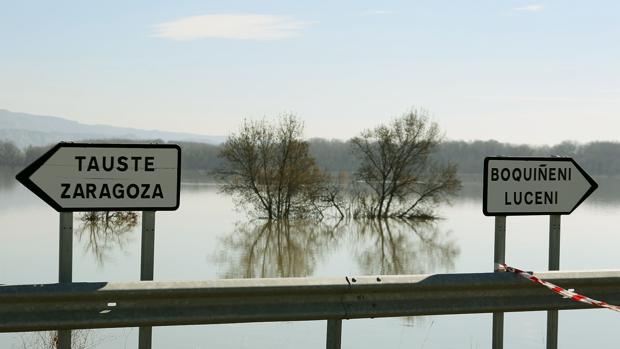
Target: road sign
{"type": "Point", "coordinates": [107, 177]}
{"type": "Point", "coordinates": [534, 186]}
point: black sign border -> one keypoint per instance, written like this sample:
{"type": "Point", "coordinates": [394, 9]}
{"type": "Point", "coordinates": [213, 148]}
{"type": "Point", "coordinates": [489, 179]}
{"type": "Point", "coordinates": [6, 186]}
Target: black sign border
{"type": "Point", "coordinates": [24, 176]}
{"type": "Point", "coordinates": [593, 184]}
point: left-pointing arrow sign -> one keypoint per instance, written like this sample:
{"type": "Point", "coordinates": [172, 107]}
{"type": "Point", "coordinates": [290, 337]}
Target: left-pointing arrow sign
{"type": "Point", "coordinates": [100, 177]}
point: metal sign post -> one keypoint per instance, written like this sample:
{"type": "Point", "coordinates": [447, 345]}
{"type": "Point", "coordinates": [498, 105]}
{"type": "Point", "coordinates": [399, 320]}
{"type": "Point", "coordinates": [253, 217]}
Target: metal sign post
{"type": "Point", "coordinates": [532, 186]}
{"type": "Point", "coordinates": [554, 264]}
{"type": "Point", "coordinates": [147, 257]}
{"type": "Point", "coordinates": [65, 266]}
{"type": "Point", "coordinates": [499, 258]}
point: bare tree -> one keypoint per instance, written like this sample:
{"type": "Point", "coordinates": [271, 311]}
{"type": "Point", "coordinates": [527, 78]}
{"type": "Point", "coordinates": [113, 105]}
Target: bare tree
{"type": "Point", "coordinates": [334, 196]}
{"type": "Point", "coordinates": [395, 165]}
{"type": "Point", "coordinates": [269, 167]}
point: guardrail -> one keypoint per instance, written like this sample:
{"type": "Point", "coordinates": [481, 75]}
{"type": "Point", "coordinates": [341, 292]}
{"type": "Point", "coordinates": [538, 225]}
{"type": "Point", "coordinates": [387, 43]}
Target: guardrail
{"type": "Point", "coordinates": [156, 303]}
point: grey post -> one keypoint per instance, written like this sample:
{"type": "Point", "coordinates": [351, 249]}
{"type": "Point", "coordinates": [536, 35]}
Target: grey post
{"type": "Point", "coordinates": [554, 264]}
{"type": "Point", "coordinates": [147, 255]}
{"type": "Point", "coordinates": [65, 265]}
{"type": "Point", "coordinates": [334, 333]}
{"type": "Point", "coordinates": [499, 257]}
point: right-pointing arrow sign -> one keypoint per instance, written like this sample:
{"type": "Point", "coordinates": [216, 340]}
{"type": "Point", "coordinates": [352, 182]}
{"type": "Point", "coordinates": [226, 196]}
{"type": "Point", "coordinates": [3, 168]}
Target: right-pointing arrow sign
{"type": "Point", "coordinates": [534, 186]}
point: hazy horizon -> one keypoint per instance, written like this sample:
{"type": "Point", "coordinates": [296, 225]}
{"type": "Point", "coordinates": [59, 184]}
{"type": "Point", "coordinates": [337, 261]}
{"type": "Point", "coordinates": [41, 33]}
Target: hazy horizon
{"type": "Point", "coordinates": [306, 136]}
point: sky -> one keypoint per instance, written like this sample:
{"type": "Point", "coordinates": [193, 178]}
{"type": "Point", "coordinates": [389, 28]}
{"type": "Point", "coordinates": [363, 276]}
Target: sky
{"type": "Point", "coordinates": [537, 72]}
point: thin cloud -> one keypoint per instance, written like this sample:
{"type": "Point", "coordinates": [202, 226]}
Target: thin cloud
{"type": "Point", "coordinates": [230, 26]}
{"type": "Point", "coordinates": [530, 8]}
{"type": "Point", "coordinates": [376, 12]}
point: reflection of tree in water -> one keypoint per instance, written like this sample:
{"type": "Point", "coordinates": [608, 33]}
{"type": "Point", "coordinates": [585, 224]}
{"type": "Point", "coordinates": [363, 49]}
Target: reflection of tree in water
{"type": "Point", "coordinates": [80, 339]}
{"type": "Point", "coordinates": [391, 246]}
{"type": "Point", "coordinates": [292, 248]}
{"type": "Point", "coordinates": [394, 246]}
{"type": "Point", "coordinates": [275, 248]}
{"type": "Point", "coordinates": [105, 230]}
{"type": "Point", "coordinates": [7, 177]}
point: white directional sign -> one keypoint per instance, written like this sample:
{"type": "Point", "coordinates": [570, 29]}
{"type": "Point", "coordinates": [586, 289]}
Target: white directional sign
{"type": "Point", "coordinates": [534, 186]}
{"type": "Point", "coordinates": [99, 177]}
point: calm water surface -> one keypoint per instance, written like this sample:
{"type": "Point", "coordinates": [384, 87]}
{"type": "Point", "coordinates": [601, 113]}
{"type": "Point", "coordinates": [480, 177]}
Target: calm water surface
{"type": "Point", "coordinates": [209, 238]}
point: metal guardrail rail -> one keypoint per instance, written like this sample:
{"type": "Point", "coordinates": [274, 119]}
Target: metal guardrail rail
{"type": "Point", "coordinates": [156, 303]}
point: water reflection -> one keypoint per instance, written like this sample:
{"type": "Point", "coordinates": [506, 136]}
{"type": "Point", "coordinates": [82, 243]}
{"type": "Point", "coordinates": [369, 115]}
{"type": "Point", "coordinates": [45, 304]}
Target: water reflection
{"type": "Point", "coordinates": [259, 249]}
{"type": "Point", "coordinates": [293, 248]}
{"type": "Point", "coordinates": [7, 177]}
{"type": "Point", "coordinates": [105, 231]}
{"type": "Point", "coordinates": [80, 339]}
{"type": "Point", "coordinates": [403, 247]}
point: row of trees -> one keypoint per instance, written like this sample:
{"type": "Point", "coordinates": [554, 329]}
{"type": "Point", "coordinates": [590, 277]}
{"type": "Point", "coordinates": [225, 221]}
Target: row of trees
{"type": "Point", "coordinates": [12, 156]}
{"type": "Point", "coordinates": [334, 156]}
{"type": "Point", "coordinates": [269, 168]}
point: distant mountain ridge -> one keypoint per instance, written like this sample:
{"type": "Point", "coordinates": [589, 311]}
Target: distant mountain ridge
{"type": "Point", "coordinates": [25, 129]}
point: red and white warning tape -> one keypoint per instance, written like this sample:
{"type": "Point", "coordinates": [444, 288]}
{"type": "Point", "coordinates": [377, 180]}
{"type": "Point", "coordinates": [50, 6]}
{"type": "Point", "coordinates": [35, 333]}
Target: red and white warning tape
{"type": "Point", "coordinates": [570, 293]}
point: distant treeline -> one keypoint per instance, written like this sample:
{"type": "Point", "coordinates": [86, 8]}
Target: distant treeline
{"type": "Point", "coordinates": [599, 158]}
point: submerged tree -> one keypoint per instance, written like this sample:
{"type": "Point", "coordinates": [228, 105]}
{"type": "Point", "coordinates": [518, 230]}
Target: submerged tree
{"type": "Point", "coordinates": [269, 167]}
{"type": "Point", "coordinates": [397, 170]}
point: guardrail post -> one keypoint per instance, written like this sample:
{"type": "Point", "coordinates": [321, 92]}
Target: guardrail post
{"type": "Point", "coordinates": [334, 333]}
{"type": "Point", "coordinates": [65, 266]}
{"type": "Point", "coordinates": [499, 257]}
{"type": "Point", "coordinates": [554, 264]}
{"type": "Point", "coordinates": [147, 256]}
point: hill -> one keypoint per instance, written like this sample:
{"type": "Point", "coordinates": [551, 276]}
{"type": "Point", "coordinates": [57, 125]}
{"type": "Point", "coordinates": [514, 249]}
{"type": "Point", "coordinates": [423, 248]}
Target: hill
{"type": "Point", "coordinates": [24, 129]}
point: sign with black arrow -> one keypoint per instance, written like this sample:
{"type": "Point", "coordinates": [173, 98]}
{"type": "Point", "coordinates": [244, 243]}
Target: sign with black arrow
{"type": "Point", "coordinates": [107, 177]}
{"type": "Point", "coordinates": [534, 186]}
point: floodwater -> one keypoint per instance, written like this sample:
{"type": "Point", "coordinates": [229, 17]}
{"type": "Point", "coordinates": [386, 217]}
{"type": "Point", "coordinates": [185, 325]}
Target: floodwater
{"type": "Point", "coordinates": [209, 238]}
